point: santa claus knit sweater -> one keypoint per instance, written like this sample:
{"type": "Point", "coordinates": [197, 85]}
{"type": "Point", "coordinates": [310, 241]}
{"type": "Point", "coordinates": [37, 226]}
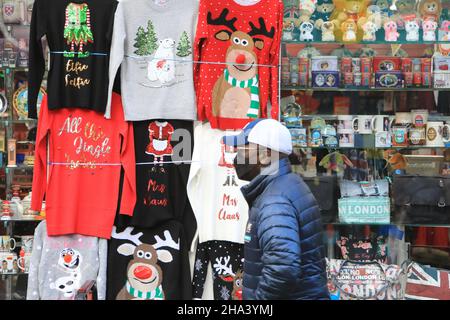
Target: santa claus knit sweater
{"type": "Point", "coordinates": [245, 41]}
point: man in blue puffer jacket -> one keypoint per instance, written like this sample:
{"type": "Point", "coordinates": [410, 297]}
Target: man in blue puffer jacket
{"type": "Point", "coordinates": [284, 251]}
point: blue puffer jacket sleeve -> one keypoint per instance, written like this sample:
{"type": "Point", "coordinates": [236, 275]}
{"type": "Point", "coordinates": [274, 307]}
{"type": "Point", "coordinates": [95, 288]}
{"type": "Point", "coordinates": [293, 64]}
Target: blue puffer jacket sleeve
{"type": "Point", "coordinates": [278, 235]}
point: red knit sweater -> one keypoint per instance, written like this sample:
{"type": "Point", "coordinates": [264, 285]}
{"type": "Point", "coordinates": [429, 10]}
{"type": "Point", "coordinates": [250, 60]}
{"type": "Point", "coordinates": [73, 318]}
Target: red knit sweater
{"type": "Point", "coordinates": [81, 198]}
{"type": "Point", "coordinates": [243, 37]}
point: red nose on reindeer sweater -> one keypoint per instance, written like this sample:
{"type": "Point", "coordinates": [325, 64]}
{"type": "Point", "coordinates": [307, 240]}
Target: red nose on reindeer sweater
{"type": "Point", "coordinates": [82, 184]}
{"type": "Point", "coordinates": [231, 95]}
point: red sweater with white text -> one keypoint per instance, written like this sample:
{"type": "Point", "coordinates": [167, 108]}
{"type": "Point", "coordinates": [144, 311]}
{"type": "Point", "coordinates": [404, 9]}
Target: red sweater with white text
{"type": "Point", "coordinates": [241, 38]}
{"type": "Point", "coordinates": [86, 153]}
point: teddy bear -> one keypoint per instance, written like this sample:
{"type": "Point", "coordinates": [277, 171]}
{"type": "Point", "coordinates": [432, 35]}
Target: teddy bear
{"type": "Point", "coordinates": [412, 30]}
{"type": "Point", "coordinates": [328, 31]}
{"type": "Point", "coordinates": [384, 6]}
{"type": "Point", "coordinates": [306, 9]}
{"type": "Point", "coordinates": [430, 10]}
{"type": "Point", "coordinates": [349, 29]}
{"type": "Point", "coordinates": [324, 8]}
{"type": "Point", "coordinates": [288, 28]}
{"type": "Point", "coordinates": [405, 12]}
{"type": "Point", "coordinates": [445, 30]}
{"type": "Point", "coordinates": [374, 15]}
{"type": "Point", "coordinates": [354, 10]}
{"type": "Point", "coordinates": [306, 29]}
{"type": "Point", "coordinates": [429, 30]}
{"type": "Point", "coordinates": [370, 29]}
{"type": "Point", "coordinates": [390, 31]}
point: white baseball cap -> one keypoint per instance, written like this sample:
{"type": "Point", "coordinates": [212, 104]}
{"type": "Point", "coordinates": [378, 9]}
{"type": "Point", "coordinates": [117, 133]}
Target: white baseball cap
{"type": "Point", "coordinates": [268, 133]}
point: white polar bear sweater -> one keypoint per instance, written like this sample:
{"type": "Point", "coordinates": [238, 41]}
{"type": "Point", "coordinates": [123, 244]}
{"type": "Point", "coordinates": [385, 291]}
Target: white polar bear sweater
{"type": "Point", "coordinates": [153, 44]}
{"type": "Point", "coordinates": [61, 265]}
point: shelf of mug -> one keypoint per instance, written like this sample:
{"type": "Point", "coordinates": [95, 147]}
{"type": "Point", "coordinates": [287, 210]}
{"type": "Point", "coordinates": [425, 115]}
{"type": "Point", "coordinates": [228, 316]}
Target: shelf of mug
{"type": "Point", "coordinates": [24, 121]}
{"type": "Point", "coordinates": [17, 69]}
{"type": "Point", "coordinates": [20, 167]}
{"type": "Point", "coordinates": [13, 273]}
{"type": "Point", "coordinates": [21, 220]}
{"type": "Point", "coordinates": [388, 224]}
{"type": "Point", "coordinates": [332, 117]}
{"type": "Point", "coordinates": [362, 89]}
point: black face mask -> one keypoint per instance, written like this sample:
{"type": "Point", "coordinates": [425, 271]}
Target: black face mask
{"type": "Point", "coordinates": [244, 170]}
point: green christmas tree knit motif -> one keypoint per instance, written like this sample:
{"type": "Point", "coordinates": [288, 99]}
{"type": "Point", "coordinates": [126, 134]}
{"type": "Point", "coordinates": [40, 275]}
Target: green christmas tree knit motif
{"type": "Point", "coordinates": [77, 28]}
{"type": "Point", "coordinates": [146, 42]}
{"type": "Point", "coordinates": [184, 46]}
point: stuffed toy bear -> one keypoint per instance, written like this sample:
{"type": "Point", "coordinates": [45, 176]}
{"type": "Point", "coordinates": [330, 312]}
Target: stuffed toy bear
{"type": "Point", "coordinates": [307, 8]}
{"type": "Point", "coordinates": [405, 12]}
{"type": "Point", "coordinates": [323, 12]}
{"type": "Point", "coordinates": [430, 10]}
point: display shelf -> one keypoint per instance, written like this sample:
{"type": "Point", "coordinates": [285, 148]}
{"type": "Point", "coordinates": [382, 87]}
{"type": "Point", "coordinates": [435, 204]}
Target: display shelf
{"type": "Point", "coordinates": [23, 121]}
{"type": "Point", "coordinates": [388, 224]}
{"type": "Point", "coordinates": [21, 220]}
{"type": "Point", "coordinates": [362, 43]}
{"type": "Point", "coordinates": [16, 69]}
{"type": "Point", "coordinates": [371, 147]}
{"type": "Point", "coordinates": [20, 167]}
{"type": "Point", "coordinates": [14, 274]}
{"type": "Point", "coordinates": [331, 117]}
{"type": "Point", "coordinates": [362, 89]}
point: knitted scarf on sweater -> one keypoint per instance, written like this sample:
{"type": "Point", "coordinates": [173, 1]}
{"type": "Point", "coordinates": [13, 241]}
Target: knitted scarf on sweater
{"type": "Point", "coordinates": [252, 83]}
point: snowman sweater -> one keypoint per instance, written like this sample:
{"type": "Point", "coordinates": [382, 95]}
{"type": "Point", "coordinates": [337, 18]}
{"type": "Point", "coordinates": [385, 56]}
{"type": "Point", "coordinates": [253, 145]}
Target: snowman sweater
{"type": "Point", "coordinates": [60, 266]}
{"type": "Point", "coordinates": [238, 47]}
{"type": "Point", "coordinates": [80, 177]}
{"type": "Point", "coordinates": [153, 43]}
{"type": "Point", "coordinates": [79, 36]}
{"type": "Point", "coordinates": [162, 170]}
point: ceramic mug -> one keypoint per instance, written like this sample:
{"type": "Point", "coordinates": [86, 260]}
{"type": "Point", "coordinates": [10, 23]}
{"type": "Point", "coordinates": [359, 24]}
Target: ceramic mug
{"type": "Point", "coordinates": [403, 118]}
{"type": "Point", "coordinates": [8, 262]}
{"type": "Point", "coordinates": [27, 243]}
{"type": "Point", "coordinates": [435, 131]}
{"type": "Point", "coordinates": [400, 136]}
{"type": "Point", "coordinates": [419, 117]}
{"type": "Point", "coordinates": [346, 138]}
{"type": "Point", "coordinates": [381, 124]}
{"type": "Point", "coordinates": [345, 123]}
{"type": "Point", "coordinates": [24, 262]}
{"type": "Point", "coordinates": [7, 243]}
{"type": "Point", "coordinates": [362, 124]}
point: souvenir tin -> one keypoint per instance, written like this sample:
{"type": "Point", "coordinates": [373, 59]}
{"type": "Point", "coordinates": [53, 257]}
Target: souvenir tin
{"type": "Point", "coordinates": [388, 80]}
{"type": "Point", "coordinates": [325, 79]}
{"type": "Point", "coordinates": [324, 63]}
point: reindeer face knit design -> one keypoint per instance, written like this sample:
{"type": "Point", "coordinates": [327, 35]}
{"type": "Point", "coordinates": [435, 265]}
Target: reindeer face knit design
{"type": "Point", "coordinates": [226, 260]}
{"type": "Point", "coordinates": [148, 264]}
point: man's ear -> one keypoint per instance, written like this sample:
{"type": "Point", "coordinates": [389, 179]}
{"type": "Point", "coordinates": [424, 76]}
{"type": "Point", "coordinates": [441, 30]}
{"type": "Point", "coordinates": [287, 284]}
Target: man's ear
{"type": "Point", "coordinates": [265, 156]}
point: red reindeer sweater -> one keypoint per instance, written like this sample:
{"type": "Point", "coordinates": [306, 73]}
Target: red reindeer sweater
{"type": "Point", "coordinates": [86, 153]}
{"type": "Point", "coordinates": [241, 38]}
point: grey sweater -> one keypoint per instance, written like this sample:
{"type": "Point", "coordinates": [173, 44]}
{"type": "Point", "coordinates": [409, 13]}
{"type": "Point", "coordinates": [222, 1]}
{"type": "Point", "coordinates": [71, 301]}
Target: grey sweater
{"type": "Point", "coordinates": [153, 43]}
{"type": "Point", "coordinates": [61, 265]}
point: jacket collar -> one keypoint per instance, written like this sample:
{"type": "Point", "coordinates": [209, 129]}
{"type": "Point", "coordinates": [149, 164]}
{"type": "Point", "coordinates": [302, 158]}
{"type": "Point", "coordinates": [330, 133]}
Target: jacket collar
{"type": "Point", "coordinates": [257, 186]}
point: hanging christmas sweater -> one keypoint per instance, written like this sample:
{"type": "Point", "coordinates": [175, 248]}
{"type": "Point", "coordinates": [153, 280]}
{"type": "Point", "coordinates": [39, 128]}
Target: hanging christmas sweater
{"type": "Point", "coordinates": [79, 36]}
{"type": "Point", "coordinates": [153, 42]}
{"type": "Point", "coordinates": [245, 41]}
{"type": "Point", "coordinates": [214, 189]}
{"type": "Point", "coordinates": [148, 263]}
{"type": "Point", "coordinates": [60, 266]}
{"type": "Point", "coordinates": [163, 150]}
{"type": "Point", "coordinates": [86, 154]}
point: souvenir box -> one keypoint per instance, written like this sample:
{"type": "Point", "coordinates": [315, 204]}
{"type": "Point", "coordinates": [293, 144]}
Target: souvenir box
{"type": "Point", "coordinates": [389, 79]}
{"type": "Point", "coordinates": [324, 63]}
{"type": "Point", "coordinates": [441, 72]}
{"type": "Point", "coordinates": [321, 79]}
{"type": "Point", "coordinates": [383, 64]}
